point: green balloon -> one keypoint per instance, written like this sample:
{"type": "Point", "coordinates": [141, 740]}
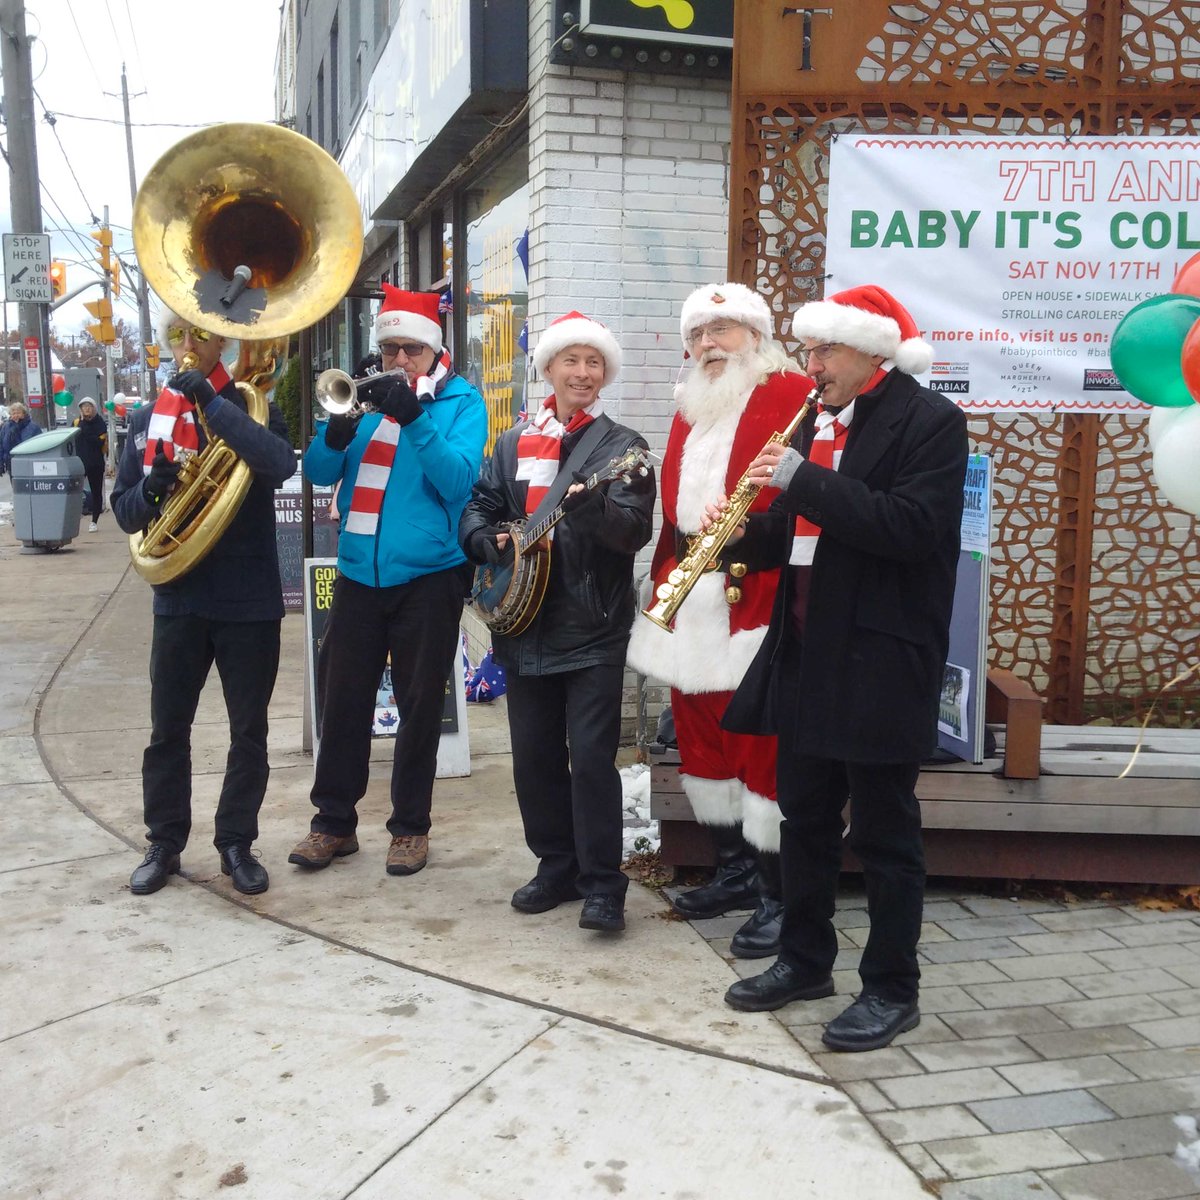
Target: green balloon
{"type": "Point", "coordinates": [1147, 349]}
{"type": "Point", "coordinates": [109, 405]}
{"type": "Point", "coordinates": [64, 399]}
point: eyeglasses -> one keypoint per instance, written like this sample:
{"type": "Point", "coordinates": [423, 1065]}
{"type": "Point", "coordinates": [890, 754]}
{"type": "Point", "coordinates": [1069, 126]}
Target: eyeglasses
{"type": "Point", "coordinates": [822, 352]}
{"type": "Point", "coordinates": [716, 332]}
{"type": "Point", "coordinates": [177, 333]}
{"type": "Point", "coordinates": [408, 349]}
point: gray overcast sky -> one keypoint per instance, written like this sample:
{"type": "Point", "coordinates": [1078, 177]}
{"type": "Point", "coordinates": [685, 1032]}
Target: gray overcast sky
{"type": "Point", "coordinates": [188, 65]}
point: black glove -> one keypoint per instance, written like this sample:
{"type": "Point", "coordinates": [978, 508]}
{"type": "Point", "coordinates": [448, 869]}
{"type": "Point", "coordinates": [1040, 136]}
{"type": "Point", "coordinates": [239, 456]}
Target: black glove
{"type": "Point", "coordinates": [163, 473]}
{"type": "Point", "coordinates": [373, 393]}
{"type": "Point", "coordinates": [577, 502]}
{"type": "Point", "coordinates": [484, 544]}
{"type": "Point", "coordinates": [340, 430]}
{"type": "Point", "coordinates": [367, 366]}
{"type": "Point", "coordinates": [400, 403]}
{"type": "Point", "coordinates": [194, 386]}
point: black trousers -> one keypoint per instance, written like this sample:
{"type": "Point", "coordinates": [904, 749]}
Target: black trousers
{"type": "Point", "coordinates": [885, 834]}
{"type": "Point", "coordinates": [417, 623]}
{"type": "Point", "coordinates": [565, 729]}
{"type": "Point", "coordinates": [247, 658]}
{"type": "Point", "coordinates": [95, 478]}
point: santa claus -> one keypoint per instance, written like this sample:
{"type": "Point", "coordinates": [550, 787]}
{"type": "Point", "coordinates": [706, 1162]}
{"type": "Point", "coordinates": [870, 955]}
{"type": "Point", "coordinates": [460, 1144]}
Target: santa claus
{"type": "Point", "coordinates": [741, 389]}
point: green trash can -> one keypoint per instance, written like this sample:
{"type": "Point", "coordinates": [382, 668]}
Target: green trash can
{"type": "Point", "coordinates": [47, 485]}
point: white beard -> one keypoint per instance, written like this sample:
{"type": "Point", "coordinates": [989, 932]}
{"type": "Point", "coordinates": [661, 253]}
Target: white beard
{"type": "Point", "coordinates": [704, 401]}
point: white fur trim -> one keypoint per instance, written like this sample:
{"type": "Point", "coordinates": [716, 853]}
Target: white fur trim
{"type": "Point", "coordinates": [760, 821]}
{"type": "Point", "coordinates": [865, 331]}
{"type": "Point", "coordinates": [713, 801]}
{"type": "Point", "coordinates": [578, 331]}
{"type": "Point", "coordinates": [734, 301]}
{"type": "Point", "coordinates": [398, 323]}
{"type": "Point", "coordinates": [914, 357]}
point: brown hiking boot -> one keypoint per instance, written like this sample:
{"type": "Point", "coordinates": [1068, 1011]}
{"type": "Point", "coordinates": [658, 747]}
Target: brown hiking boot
{"type": "Point", "coordinates": [320, 849]}
{"type": "Point", "coordinates": [406, 855]}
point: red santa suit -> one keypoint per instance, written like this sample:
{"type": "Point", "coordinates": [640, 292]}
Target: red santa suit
{"type": "Point", "coordinates": [728, 778]}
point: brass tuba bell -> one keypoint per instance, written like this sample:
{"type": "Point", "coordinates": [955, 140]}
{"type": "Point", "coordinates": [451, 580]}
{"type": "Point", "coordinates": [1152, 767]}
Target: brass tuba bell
{"type": "Point", "coordinates": [266, 204]}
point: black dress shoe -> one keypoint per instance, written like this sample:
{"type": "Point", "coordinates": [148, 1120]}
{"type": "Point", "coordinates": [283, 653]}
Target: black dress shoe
{"type": "Point", "coordinates": [759, 936]}
{"type": "Point", "coordinates": [538, 896]}
{"type": "Point", "coordinates": [154, 870]}
{"type": "Point", "coordinates": [603, 912]}
{"type": "Point", "coordinates": [778, 985]}
{"type": "Point", "coordinates": [246, 873]}
{"type": "Point", "coordinates": [735, 885]}
{"type": "Point", "coordinates": [871, 1023]}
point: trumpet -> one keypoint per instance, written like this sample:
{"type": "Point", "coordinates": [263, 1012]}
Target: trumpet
{"type": "Point", "coordinates": [337, 392]}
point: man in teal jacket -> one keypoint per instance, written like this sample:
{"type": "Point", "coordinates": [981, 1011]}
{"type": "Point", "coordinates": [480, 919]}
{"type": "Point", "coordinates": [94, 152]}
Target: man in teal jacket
{"type": "Point", "coordinates": [406, 472]}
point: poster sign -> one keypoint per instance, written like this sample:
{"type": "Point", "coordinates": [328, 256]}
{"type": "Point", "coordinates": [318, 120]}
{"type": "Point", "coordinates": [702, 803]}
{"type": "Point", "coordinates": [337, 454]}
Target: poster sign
{"type": "Point", "coordinates": [289, 536]}
{"type": "Point", "coordinates": [32, 351]}
{"type": "Point", "coordinates": [1018, 256]}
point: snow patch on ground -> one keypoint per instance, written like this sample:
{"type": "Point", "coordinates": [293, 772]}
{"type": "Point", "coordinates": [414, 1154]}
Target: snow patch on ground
{"type": "Point", "coordinates": [641, 833]}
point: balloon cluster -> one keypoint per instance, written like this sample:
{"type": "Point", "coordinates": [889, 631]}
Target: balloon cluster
{"type": "Point", "coordinates": [62, 397]}
{"type": "Point", "coordinates": [1156, 356]}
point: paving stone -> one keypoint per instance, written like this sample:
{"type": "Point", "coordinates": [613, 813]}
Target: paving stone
{"type": "Point", "coordinates": [928, 1124]}
{"type": "Point", "coordinates": [974, 928]}
{"type": "Point", "coordinates": [1132, 1179]}
{"type": "Point", "coordinates": [879, 1064]}
{"type": "Point", "coordinates": [1113, 1010]}
{"type": "Point", "coordinates": [851, 918]}
{"type": "Point", "coordinates": [944, 910]}
{"type": "Point", "coordinates": [1161, 1064]}
{"type": "Point", "coordinates": [1088, 1071]}
{"type": "Point", "coordinates": [946, 1087]}
{"type": "Point", "coordinates": [1022, 992]}
{"type": "Point", "coordinates": [981, 1052]}
{"type": "Point", "coordinates": [1084, 918]}
{"type": "Point", "coordinates": [1134, 1137]}
{"type": "Point", "coordinates": [867, 1096]}
{"type": "Point", "coordinates": [1186, 972]}
{"type": "Point", "coordinates": [1151, 1096]}
{"type": "Point", "coordinates": [1170, 957]}
{"type": "Point", "coordinates": [959, 973]}
{"type": "Point", "coordinates": [982, 948]}
{"type": "Point", "coordinates": [1001, 1021]}
{"type": "Point", "coordinates": [1048, 966]}
{"type": "Point", "coordinates": [1153, 980]}
{"type": "Point", "coordinates": [1157, 934]}
{"type": "Point", "coordinates": [1183, 1003]}
{"type": "Point", "coordinates": [1038, 1149]}
{"type": "Point", "coordinates": [1073, 1043]}
{"type": "Point", "coordinates": [946, 999]}
{"type": "Point", "coordinates": [718, 927]}
{"type": "Point", "coordinates": [991, 906]}
{"type": "Point", "coordinates": [1068, 943]}
{"type": "Point", "coordinates": [931, 1029]}
{"type": "Point", "coordinates": [923, 1163]}
{"type": "Point", "coordinates": [1178, 1031]}
{"type": "Point", "coordinates": [1044, 1111]}
{"type": "Point", "coordinates": [1024, 1185]}
{"type": "Point", "coordinates": [1150, 915]}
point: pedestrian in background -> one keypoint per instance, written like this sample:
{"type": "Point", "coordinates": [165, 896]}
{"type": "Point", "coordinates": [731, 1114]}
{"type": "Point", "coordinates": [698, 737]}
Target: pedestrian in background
{"type": "Point", "coordinates": [91, 446]}
{"type": "Point", "coordinates": [17, 429]}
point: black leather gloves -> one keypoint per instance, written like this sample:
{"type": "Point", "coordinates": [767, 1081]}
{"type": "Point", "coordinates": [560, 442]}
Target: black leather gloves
{"type": "Point", "coordinates": [483, 545]}
{"type": "Point", "coordinates": [400, 402]}
{"type": "Point", "coordinates": [194, 386]}
{"type": "Point", "coordinates": [163, 473]}
{"type": "Point", "coordinates": [339, 432]}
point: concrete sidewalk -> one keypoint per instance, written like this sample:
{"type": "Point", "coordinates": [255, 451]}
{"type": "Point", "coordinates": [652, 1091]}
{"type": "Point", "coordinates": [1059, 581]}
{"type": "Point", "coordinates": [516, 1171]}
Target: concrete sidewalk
{"type": "Point", "coordinates": [353, 1034]}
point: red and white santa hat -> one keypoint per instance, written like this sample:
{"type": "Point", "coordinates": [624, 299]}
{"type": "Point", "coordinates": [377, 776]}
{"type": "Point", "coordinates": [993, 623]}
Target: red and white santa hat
{"type": "Point", "coordinates": [868, 319]}
{"type": "Point", "coordinates": [409, 315]}
{"type": "Point", "coordinates": [731, 301]}
{"type": "Point", "coordinates": [574, 329]}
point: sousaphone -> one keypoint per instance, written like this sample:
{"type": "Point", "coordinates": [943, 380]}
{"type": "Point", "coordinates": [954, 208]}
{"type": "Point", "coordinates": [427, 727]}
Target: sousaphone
{"type": "Point", "coordinates": [250, 232]}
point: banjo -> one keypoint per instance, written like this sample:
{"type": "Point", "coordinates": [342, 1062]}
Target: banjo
{"type": "Point", "coordinates": [508, 594]}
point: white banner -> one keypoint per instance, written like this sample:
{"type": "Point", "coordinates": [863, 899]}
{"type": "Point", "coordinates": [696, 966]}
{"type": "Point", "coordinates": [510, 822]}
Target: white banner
{"type": "Point", "coordinates": [1017, 257]}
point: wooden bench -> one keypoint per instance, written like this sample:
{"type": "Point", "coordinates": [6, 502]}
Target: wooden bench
{"type": "Point", "coordinates": [1048, 805]}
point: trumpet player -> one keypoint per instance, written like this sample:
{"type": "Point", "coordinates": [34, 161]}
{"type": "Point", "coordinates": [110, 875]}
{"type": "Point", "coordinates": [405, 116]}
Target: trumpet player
{"type": "Point", "coordinates": [865, 523]}
{"type": "Point", "coordinates": [405, 471]}
{"type": "Point", "coordinates": [741, 389]}
{"type": "Point", "coordinates": [227, 609]}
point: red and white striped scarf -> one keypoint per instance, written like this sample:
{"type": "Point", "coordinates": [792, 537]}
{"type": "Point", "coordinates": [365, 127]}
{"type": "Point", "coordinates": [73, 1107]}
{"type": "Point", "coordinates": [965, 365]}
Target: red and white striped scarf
{"type": "Point", "coordinates": [174, 421]}
{"type": "Point", "coordinates": [375, 469]}
{"type": "Point", "coordinates": [826, 451]}
{"type": "Point", "coordinates": [539, 446]}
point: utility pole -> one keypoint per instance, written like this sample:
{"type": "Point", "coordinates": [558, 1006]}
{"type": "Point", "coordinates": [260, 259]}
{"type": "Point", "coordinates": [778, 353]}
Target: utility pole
{"type": "Point", "coordinates": [147, 388]}
{"type": "Point", "coordinates": [24, 193]}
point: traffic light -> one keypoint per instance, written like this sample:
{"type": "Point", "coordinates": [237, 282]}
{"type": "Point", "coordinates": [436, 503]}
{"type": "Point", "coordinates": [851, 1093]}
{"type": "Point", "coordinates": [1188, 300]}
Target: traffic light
{"type": "Point", "coordinates": [150, 351]}
{"type": "Point", "coordinates": [103, 330]}
{"type": "Point", "coordinates": [58, 278]}
{"type": "Point", "coordinates": [114, 270]}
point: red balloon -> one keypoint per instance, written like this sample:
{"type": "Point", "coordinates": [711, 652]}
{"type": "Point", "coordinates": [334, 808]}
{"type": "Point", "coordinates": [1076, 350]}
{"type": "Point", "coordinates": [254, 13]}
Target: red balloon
{"type": "Point", "coordinates": [120, 410]}
{"type": "Point", "coordinates": [60, 384]}
{"type": "Point", "coordinates": [1188, 279]}
{"type": "Point", "coordinates": [1190, 359]}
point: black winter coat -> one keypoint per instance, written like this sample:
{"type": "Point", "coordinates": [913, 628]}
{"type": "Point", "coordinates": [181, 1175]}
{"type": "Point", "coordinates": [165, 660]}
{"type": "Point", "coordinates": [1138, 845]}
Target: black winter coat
{"type": "Point", "coordinates": [585, 618]}
{"type": "Point", "coordinates": [91, 442]}
{"type": "Point", "coordinates": [877, 622]}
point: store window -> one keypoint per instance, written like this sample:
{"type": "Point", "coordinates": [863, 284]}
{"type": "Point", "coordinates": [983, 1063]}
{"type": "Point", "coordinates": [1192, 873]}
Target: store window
{"type": "Point", "coordinates": [495, 287]}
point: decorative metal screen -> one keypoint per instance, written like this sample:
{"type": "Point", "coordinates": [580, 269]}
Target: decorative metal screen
{"type": "Point", "coordinates": [1094, 579]}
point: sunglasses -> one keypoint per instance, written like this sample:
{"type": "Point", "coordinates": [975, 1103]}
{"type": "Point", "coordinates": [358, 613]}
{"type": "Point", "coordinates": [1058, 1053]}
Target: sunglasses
{"type": "Point", "coordinates": [177, 333]}
{"type": "Point", "coordinates": [409, 349]}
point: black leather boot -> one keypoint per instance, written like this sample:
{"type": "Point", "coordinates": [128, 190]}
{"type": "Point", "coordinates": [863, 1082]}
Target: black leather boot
{"type": "Point", "coordinates": [733, 885]}
{"type": "Point", "coordinates": [759, 937]}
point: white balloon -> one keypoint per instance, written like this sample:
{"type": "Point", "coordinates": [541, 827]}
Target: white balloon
{"type": "Point", "coordinates": [1161, 418]}
{"type": "Point", "coordinates": [1177, 460]}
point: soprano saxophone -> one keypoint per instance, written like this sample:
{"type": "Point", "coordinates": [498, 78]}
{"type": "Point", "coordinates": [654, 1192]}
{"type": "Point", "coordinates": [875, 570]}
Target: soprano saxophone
{"type": "Point", "coordinates": [705, 548]}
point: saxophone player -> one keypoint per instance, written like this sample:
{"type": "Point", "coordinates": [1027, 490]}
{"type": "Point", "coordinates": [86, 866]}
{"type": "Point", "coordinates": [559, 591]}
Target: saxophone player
{"type": "Point", "coordinates": [866, 518]}
{"type": "Point", "coordinates": [226, 610]}
{"type": "Point", "coordinates": [742, 389]}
